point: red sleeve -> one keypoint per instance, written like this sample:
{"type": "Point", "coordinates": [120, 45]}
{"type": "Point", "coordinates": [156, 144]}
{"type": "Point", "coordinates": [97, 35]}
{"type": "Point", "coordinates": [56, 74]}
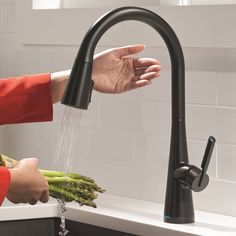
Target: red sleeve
{"type": "Point", "coordinates": [25, 99]}
{"type": "Point", "coordinates": [4, 183]}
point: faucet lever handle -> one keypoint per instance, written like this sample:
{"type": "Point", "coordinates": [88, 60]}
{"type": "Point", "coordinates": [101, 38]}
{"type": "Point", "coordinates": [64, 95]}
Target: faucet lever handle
{"type": "Point", "coordinates": [207, 157]}
{"type": "Point", "coordinates": [193, 177]}
{"type": "Point", "coordinates": [208, 152]}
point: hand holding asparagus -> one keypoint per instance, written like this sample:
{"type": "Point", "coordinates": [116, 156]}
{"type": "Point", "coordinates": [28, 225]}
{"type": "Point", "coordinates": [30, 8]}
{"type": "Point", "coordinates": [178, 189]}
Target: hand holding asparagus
{"type": "Point", "coordinates": [68, 187]}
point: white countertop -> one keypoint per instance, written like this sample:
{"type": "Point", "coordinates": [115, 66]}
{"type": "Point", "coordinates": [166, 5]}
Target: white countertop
{"type": "Point", "coordinates": [127, 215]}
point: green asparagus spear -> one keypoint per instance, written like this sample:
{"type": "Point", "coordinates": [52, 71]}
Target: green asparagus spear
{"type": "Point", "coordinates": [60, 192]}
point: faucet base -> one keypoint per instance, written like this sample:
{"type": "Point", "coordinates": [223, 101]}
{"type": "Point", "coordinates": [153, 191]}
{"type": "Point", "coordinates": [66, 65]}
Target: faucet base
{"type": "Point", "coordinates": [179, 220]}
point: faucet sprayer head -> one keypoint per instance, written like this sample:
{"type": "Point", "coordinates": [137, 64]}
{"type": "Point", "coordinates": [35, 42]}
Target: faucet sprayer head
{"type": "Point", "coordinates": [79, 89]}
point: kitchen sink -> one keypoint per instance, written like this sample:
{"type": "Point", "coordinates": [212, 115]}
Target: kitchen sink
{"type": "Point", "coordinates": [50, 227]}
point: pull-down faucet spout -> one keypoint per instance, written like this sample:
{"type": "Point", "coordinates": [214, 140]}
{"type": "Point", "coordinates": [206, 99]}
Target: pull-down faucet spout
{"type": "Point", "coordinates": [182, 177]}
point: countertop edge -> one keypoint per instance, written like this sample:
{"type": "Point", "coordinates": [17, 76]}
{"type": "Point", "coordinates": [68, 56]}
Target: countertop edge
{"type": "Point", "coordinates": [126, 215]}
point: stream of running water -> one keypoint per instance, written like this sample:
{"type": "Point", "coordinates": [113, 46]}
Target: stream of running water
{"type": "Point", "coordinates": [64, 152]}
{"type": "Point", "coordinates": [62, 230]}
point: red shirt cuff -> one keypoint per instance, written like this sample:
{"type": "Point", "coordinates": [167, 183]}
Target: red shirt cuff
{"type": "Point", "coordinates": [4, 183]}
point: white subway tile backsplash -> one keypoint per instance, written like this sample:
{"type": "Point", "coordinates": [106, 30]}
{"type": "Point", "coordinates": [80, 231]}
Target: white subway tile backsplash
{"type": "Point", "coordinates": [226, 162]}
{"type": "Point", "coordinates": [3, 19]}
{"type": "Point", "coordinates": [226, 87]}
{"type": "Point", "coordinates": [20, 135]}
{"type": "Point", "coordinates": [226, 128]}
{"type": "Point", "coordinates": [201, 87]}
{"type": "Point", "coordinates": [124, 140]}
{"type": "Point", "coordinates": [160, 89]}
{"type": "Point", "coordinates": [205, 121]}
{"type": "Point", "coordinates": [156, 117]}
{"type": "Point", "coordinates": [11, 18]}
{"type": "Point", "coordinates": [218, 197]}
{"type": "Point", "coordinates": [22, 141]}
{"type": "Point", "coordinates": [26, 54]}
{"type": "Point", "coordinates": [112, 146]}
{"type": "Point", "coordinates": [152, 152]}
{"type": "Point", "coordinates": [87, 167]}
{"type": "Point", "coordinates": [8, 47]}
{"type": "Point", "coordinates": [55, 58]}
{"type": "Point", "coordinates": [4, 69]}
{"type": "Point", "coordinates": [91, 118]}
{"type": "Point", "coordinates": [18, 68]}
{"type": "Point", "coordinates": [7, 2]}
{"type": "Point", "coordinates": [120, 112]}
{"type": "Point", "coordinates": [84, 146]}
{"type": "Point", "coordinates": [46, 140]}
{"type": "Point", "coordinates": [133, 182]}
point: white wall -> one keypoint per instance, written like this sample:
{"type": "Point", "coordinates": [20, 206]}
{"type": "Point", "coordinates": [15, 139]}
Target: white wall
{"type": "Point", "coordinates": [124, 139]}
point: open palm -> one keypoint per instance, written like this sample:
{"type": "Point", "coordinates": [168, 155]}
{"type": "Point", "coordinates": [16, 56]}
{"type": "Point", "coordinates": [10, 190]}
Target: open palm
{"type": "Point", "coordinates": [115, 71]}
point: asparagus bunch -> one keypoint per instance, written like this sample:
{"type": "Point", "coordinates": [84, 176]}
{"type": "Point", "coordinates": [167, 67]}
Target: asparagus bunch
{"type": "Point", "coordinates": [68, 187]}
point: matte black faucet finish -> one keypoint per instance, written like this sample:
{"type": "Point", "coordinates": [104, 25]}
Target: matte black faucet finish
{"type": "Point", "coordinates": [182, 177]}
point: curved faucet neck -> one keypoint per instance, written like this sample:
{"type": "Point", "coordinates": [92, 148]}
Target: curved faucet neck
{"type": "Point", "coordinates": [178, 203]}
{"type": "Point", "coordinates": [86, 52]}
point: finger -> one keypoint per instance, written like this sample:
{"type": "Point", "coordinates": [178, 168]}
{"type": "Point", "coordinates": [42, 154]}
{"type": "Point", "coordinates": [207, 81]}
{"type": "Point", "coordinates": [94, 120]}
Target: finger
{"type": "Point", "coordinates": [153, 68]}
{"type": "Point", "coordinates": [138, 84]}
{"type": "Point", "coordinates": [28, 162]}
{"type": "Point", "coordinates": [145, 62]}
{"type": "Point", "coordinates": [143, 80]}
{"type": "Point", "coordinates": [149, 76]}
{"type": "Point", "coordinates": [33, 202]}
{"type": "Point", "coordinates": [44, 197]}
{"type": "Point", "coordinates": [34, 162]}
{"type": "Point", "coordinates": [140, 71]}
{"type": "Point", "coordinates": [128, 50]}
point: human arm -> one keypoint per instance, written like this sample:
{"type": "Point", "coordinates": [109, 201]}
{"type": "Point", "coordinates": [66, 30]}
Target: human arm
{"type": "Point", "coordinates": [114, 71]}
{"type": "Point", "coordinates": [25, 99]}
{"type": "Point", "coordinates": [29, 98]}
